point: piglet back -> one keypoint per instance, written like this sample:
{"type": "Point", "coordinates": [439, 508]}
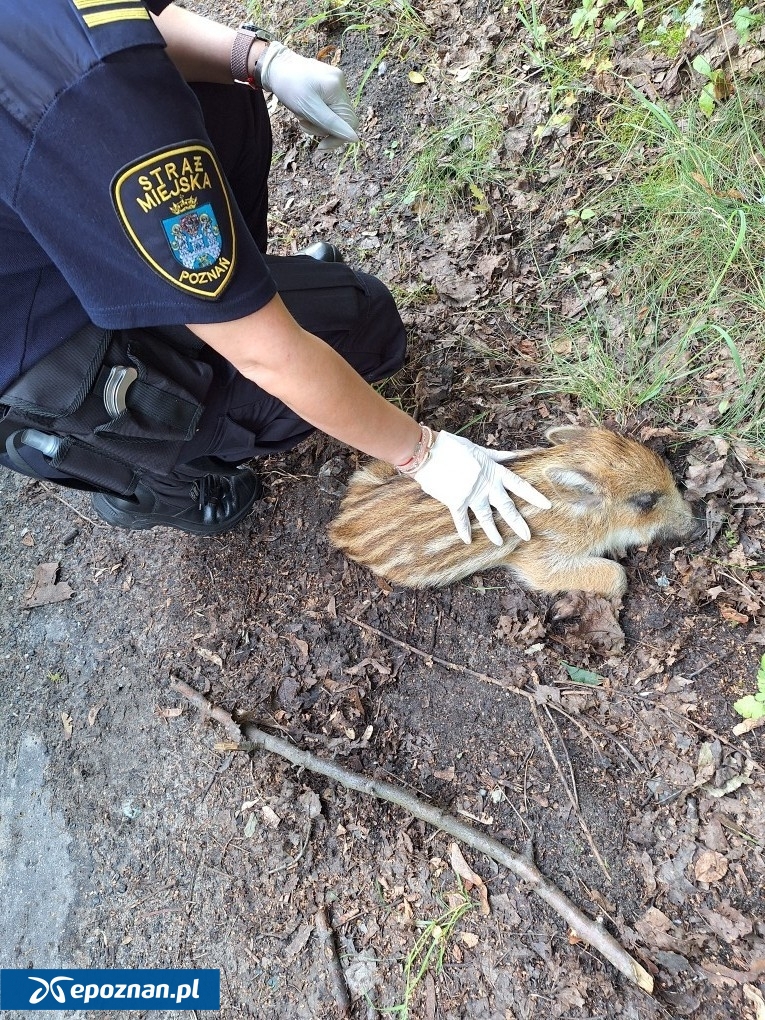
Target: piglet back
{"type": "Point", "coordinates": [389, 525]}
{"type": "Point", "coordinates": [607, 492]}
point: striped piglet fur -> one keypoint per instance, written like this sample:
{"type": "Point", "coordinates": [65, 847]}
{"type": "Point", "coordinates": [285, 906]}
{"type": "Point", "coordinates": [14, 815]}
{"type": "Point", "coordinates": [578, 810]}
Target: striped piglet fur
{"type": "Point", "coordinates": [608, 493]}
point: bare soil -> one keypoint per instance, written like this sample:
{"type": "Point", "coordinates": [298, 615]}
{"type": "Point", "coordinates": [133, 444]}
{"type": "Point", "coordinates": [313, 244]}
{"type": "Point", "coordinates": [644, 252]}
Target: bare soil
{"type": "Point", "coordinates": [132, 835]}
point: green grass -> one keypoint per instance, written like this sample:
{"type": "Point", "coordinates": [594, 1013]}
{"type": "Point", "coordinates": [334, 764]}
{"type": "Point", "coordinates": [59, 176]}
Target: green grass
{"type": "Point", "coordinates": [429, 950]}
{"type": "Point", "coordinates": [453, 164]}
{"type": "Point", "coordinates": [672, 201]}
{"type": "Point", "coordinates": [685, 223]}
{"type": "Point", "coordinates": [395, 20]}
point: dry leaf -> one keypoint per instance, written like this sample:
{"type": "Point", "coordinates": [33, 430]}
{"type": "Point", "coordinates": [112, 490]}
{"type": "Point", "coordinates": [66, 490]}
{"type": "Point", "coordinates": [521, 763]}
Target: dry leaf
{"type": "Point", "coordinates": [270, 817]}
{"type": "Point", "coordinates": [710, 867]}
{"type": "Point", "coordinates": [727, 922]}
{"type": "Point", "coordinates": [405, 911]}
{"type": "Point", "coordinates": [469, 939]}
{"type": "Point", "coordinates": [168, 713]}
{"type": "Point", "coordinates": [27, 540]}
{"type": "Point", "coordinates": [360, 667]}
{"type": "Point", "coordinates": [311, 803]}
{"type": "Point", "coordinates": [45, 591]}
{"type": "Point", "coordinates": [591, 622]}
{"type": "Point", "coordinates": [209, 656]}
{"type": "Point", "coordinates": [463, 870]}
{"type": "Point", "coordinates": [302, 646]}
{"type": "Point", "coordinates": [732, 615]}
{"type": "Point", "coordinates": [66, 719]}
{"type": "Point", "coordinates": [298, 942]}
{"type": "Point", "coordinates": [416, 77]}
{"type": "Point", "coordinates": [329, 54]}
{"type": "Point", "coordinates": [748, 725]}
{"type": "Point", "coordinates": [93, 713]}
{"type": "Point", "coordinates": [754, 996]}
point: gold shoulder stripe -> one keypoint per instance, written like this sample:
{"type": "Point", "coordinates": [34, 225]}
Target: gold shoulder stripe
{"type": "Point", "coordinates": [121, 14]}
{"type": "Point", "coordinates": [83, 5]}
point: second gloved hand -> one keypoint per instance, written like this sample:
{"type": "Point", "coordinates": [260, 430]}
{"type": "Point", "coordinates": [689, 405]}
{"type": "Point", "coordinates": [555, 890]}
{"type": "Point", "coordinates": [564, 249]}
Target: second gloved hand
{"type": "Point", "coordinates": [315, 92]}
{"type": "Point", "coordinates": [465, 477]}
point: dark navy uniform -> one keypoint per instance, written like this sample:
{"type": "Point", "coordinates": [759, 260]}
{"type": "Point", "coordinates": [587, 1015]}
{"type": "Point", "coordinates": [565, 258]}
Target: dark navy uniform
{"type": "Point", "coordinates": [130, 201]}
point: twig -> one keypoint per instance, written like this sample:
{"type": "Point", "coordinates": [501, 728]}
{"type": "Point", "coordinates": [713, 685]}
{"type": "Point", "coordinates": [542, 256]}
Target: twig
{"type": "Point", "coordinates": [585, 929]}
{"type": "Point", "coordinates": [703, 729]}
{"type": "Point", "coordinates": [293, 861]}
{"type": "Point", "coordinates": [454, 666]}
{"type": "Point", "coordinates": [484, 678]}
{"type": "Point", "coordinates": [603, 732]}
{"type": "Point", "coordinates": [337, 978]}
{"type": "Point", "coordinates": [50, 489]}
{"type": "Point", "coordinates": [640, 699]}
{"type": "Point", "coordinates": [573, 793]}
{"type": "Point", "coordinates": [570, 791]}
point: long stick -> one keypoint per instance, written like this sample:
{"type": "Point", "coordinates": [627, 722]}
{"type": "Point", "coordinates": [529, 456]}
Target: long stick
{"type": "Point", "coordinates": [582, 926]}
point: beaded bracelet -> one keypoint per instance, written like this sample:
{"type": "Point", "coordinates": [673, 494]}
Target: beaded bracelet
{"type": "Point", "coordinates": [420, 454]}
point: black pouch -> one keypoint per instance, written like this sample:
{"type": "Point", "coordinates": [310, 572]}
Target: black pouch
{"type": "Point", "coordinates": [122, 403]}
{"type": "Point", "coordinates": [322, 296]}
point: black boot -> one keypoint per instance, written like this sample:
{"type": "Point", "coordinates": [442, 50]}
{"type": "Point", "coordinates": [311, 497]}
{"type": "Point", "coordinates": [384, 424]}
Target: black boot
{"type": "Point", "coordinates": [322, 251]}
{"type": "Point", "coordinates": [209, 505]}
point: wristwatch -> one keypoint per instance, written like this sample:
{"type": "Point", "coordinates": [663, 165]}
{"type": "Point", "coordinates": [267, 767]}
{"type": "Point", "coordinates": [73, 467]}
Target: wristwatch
{"type": "Point", "coordinates": [246, 35]}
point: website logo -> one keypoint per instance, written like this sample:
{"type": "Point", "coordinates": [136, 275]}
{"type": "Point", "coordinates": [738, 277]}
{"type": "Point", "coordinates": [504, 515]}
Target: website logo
{"type": "Point", "coordinates": [51, 986]}
{"type": "Point", "coordinates": [110, 989]}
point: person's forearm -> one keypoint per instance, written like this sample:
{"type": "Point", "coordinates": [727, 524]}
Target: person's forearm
{"type": "Point", "coordinates": [200, 48]}
{"type": "Point", "coordinates": [314, 381]}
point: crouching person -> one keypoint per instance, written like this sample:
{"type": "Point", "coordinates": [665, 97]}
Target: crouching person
{"type": "Point", "coordinates": [151, 345]}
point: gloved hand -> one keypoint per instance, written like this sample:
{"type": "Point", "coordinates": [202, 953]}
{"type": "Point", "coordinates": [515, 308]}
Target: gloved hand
{"type": "Point", "coordinates": [315, 92]}
{"type": "Point", "coordinates": [462, 475]}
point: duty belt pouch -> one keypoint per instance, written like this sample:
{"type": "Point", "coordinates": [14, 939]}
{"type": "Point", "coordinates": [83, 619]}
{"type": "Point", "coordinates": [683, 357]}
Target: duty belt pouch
{"type": "Point", "coordinates": [122, 403]}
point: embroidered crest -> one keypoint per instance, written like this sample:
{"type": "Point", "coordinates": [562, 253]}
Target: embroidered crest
{"type": "Point", "coordinates": [175, 208]}
{"type": "Point", "coordinates": [194, 238]}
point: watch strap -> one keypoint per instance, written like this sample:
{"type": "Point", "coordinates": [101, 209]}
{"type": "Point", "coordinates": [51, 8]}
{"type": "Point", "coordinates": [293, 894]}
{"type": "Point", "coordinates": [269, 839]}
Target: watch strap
{"type": "Point", "coordinates": [240, 52]}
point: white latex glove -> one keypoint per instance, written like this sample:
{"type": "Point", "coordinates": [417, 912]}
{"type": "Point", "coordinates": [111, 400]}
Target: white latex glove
{"type": "Point", "coordinates": [314, 91]}
{"type": "Point", "coordinates": [464, 476]}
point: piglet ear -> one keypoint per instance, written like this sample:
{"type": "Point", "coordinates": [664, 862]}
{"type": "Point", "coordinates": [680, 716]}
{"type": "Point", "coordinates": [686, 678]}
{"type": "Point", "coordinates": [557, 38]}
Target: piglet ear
{"type": "Point", "coordinates": [560, 434]}
{"type": "Point", "coordinates": [576, 487]}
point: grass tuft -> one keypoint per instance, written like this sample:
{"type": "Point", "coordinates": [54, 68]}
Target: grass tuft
{"type": "Point", "coordinates": [683, 321]}
{"type": "Point", "coordinates": [455, 163]}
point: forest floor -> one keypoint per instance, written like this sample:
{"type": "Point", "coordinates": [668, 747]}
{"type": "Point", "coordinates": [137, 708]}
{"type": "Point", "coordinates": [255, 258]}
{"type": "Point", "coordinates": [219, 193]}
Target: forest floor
{"type": "Point", "coordinates": [132, 835]}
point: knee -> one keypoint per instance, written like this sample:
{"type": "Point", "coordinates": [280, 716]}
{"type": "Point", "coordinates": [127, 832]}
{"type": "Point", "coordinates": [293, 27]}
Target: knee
{"type": "Point", "coordinates": [385, 322]}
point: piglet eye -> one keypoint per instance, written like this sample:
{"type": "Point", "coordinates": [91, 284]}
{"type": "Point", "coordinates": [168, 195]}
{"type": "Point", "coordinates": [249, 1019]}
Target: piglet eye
{"type": "Point", "coordinates": [645, 501]}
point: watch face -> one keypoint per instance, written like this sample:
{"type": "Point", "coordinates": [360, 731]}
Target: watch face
{"type": "Point", "coordinates": [257, 31]}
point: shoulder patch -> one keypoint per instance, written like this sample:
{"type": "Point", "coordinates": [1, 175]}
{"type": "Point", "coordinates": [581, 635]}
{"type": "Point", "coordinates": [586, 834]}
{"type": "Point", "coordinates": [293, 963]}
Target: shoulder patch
{"type": "Point", "coordinates": [175, 208]}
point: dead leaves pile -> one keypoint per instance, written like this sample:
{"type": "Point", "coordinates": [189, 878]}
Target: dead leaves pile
{"type": "Point", "coordinates": [728, 483]}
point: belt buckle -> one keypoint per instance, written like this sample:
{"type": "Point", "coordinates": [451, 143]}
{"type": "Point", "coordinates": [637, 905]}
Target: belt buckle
{"type": "Point", "coordinates": [118, 382]}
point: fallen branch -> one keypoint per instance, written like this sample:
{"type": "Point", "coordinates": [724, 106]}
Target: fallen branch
{"type": "Point", "coordinates": [336, 976]}
{"type": "Point", "coordinates": [585, 929]}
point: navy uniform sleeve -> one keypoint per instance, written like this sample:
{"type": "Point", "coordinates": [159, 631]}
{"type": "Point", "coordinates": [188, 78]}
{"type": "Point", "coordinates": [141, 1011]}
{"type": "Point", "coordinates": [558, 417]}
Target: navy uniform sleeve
{"type": "Point", "coordinates": [122, 189]}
